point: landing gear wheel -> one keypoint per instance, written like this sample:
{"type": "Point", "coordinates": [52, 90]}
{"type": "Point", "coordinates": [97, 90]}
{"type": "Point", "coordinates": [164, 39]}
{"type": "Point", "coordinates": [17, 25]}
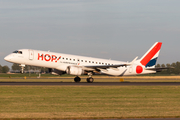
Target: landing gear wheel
{"type": "Point", "coordinates": [77, 79]}
{"type": "Point", "coordinates": [90, 80]}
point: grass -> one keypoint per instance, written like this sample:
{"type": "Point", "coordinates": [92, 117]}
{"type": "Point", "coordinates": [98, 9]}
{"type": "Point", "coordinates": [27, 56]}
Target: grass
{"type": "Point", "coordinates": [89, 102]}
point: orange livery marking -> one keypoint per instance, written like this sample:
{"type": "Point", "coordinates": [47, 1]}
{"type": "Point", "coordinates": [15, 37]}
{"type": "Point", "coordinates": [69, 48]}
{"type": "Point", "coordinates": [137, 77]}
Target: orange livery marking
{"type": "Point", "coordinates": [53, 58]}
{"type": "Point", "coordinates": [48, 57]}
{"type": "Point", "coordinates": [40, 56]}
{"type": "Point", "coordinates": [139, 69]}
{"type": "Point", "coordinates": [150, 55]}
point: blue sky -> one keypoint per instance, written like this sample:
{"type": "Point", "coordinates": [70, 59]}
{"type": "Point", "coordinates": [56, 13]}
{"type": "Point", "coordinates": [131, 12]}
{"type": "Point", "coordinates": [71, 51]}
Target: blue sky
{"type": "Point", "coordinates": [116, 29]}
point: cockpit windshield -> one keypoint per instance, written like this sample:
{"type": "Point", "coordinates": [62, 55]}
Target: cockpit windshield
{"type": "Point", "coordinates": [18, 52]}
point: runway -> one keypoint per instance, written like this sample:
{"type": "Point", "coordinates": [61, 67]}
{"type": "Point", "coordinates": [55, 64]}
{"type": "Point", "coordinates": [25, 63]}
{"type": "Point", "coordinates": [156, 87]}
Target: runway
{"type": "Point", "coordinates": [92, 84]}
{"type": "Point", "coordinates": [112, 119]}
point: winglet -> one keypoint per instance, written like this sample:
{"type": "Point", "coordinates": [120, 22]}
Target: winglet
{"type": "Point", "coordinates": [133, 61]}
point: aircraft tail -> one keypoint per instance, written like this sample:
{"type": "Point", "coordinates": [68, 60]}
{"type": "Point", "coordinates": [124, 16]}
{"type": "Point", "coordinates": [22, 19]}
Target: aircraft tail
{"type": "Point", "coordinates": [150, 57]}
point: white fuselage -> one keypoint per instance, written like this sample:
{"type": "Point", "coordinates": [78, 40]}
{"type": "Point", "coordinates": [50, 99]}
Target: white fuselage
{"type": "Point", "coordinates": [61, 61]}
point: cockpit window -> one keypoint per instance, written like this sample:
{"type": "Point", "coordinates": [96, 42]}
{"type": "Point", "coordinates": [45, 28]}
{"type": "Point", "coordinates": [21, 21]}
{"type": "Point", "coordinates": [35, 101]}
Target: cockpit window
{"type": "Point", "coordinates": [18, 52]}
{"type": "Point", "coordinates": [15, 51]}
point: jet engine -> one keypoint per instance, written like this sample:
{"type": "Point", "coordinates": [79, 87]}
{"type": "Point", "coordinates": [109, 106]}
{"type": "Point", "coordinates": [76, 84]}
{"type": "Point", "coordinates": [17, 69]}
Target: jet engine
{"type": "Point", "coordinates": [74, 70]}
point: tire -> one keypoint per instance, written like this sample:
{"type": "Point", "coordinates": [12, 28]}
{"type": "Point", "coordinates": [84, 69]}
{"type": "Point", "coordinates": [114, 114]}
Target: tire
{"type": "Point", "coordinates": [77, 79]}
{"type": "Point", "coordinates": [90, 80]}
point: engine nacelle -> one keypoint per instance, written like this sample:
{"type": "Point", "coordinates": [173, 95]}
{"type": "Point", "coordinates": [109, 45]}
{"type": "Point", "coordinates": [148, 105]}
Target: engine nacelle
{"type": "Point", "coordinates": [74, 71]}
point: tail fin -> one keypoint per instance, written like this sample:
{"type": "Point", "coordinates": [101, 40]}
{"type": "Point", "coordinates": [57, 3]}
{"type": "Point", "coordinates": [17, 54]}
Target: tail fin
{"type": "Point", "coordinates": [150, 57]}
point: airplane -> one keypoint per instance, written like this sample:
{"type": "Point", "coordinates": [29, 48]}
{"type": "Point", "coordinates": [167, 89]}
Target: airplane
{"type": "Point", "coordinates": [59, 63]}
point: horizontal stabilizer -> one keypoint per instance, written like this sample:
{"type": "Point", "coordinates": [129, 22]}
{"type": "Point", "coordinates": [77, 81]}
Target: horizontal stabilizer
{"type": "Point", "coordinates": [159, 69]}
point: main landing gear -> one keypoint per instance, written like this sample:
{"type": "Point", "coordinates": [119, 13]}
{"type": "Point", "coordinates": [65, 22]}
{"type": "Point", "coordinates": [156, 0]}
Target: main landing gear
{"type": "Point", "coordinates": [90, 79]}
{"type": "Point", "coordinates": [77, 79]}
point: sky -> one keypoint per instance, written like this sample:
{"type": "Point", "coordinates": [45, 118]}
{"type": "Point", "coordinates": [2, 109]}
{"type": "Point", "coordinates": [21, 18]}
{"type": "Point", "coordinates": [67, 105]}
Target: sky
{"type": "Point", "coordinates": [110, 29]}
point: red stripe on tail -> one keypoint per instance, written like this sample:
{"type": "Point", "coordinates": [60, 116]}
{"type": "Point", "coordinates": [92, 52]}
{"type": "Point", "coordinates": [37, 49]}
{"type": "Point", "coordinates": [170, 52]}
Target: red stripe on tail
{"type": "Point", "coordinates": [151, 54]}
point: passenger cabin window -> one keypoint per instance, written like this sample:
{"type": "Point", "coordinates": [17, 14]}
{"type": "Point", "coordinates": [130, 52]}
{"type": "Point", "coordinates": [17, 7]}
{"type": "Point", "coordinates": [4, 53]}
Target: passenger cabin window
{"type": "Point", "coordinates": [18, 52]}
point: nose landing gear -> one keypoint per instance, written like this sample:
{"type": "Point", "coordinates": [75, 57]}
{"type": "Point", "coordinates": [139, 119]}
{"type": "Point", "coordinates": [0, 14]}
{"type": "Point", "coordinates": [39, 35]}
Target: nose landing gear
{"type": "Point", "coordinates": [22, 68]}
{"type": "Point", "coordinates": [90, 79]}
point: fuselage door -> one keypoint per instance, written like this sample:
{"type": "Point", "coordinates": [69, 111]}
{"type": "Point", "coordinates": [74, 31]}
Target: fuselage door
{"type": "Point", "coordinates": [130, 69]}
{"type": "Point", "coordinates": [31, 54]}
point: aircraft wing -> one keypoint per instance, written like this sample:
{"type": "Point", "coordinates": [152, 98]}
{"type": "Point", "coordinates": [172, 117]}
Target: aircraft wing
{"type": "Point", "coordinates": [99, 67]}
{"type": "Point", "coordinates": [106, 66]}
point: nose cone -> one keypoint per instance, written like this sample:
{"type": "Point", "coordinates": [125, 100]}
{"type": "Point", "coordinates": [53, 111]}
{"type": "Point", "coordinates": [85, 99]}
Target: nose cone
{"type": "Point", "coordinates": [8, 58]}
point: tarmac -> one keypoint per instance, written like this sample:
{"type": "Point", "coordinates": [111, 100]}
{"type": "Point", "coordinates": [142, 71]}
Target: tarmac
{"type": "Point", "coordinates": [136, 119]}
{"type": "Point", "coordinates": [92, 84]}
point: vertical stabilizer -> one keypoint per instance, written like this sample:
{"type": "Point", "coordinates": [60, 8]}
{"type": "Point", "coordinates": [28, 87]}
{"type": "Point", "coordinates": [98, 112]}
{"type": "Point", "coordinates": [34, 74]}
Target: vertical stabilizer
{"type": "Point", "coordinates": [150, 57]}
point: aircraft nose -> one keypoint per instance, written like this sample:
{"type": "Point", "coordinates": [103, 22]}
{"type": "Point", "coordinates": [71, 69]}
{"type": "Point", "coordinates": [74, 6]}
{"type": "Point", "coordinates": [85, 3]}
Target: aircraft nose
{"type": "Point", "coordinates": [7, 58]}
